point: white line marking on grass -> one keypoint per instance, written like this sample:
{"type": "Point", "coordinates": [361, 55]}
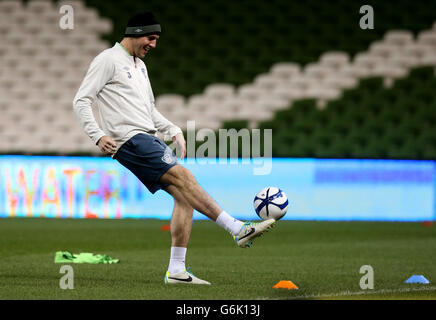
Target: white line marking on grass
{"type": "Point", "coordinates": [356, 293]}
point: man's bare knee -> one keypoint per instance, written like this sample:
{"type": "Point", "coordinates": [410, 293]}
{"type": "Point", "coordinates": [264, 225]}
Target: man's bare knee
{"type": "Point", "coordinates": [183, 204]}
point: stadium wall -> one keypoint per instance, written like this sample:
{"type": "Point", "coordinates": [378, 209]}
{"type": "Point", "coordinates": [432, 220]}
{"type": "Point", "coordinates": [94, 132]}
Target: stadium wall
{"type": "Point", "coordinates": [318, 189]}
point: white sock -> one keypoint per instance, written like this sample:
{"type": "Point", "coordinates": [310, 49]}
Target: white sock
{"type": "Point", "coordinates": [229, 223]}
{"type": "Point", "coordinates": [177, 260]}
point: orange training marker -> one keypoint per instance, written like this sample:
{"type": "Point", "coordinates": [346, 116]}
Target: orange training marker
{"type": "Point", "coordinates": [427, 223]}
{"type": "Point", "coordinates": [285, 284]}
{"type": "Point", "coordinates": [165, 227]}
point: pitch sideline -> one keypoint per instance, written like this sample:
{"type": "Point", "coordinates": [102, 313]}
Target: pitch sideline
{"type": "Point", "coordinates": [355, 293]}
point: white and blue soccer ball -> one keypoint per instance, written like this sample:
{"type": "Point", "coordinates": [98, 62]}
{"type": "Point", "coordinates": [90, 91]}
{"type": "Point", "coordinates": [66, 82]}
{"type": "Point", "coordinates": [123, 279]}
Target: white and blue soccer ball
{"type": "Point", "coordinates": [271, 202]}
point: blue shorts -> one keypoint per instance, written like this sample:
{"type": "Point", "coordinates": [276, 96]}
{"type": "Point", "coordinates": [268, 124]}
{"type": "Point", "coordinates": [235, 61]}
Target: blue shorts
{"type": "Point", "coordinates": [148, 158]}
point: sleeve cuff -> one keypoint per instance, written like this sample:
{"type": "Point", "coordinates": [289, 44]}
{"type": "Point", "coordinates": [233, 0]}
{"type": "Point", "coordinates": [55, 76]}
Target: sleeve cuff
{"type": "Point", "coordinates": [97, 137]}
{"type": "Point", "coordinates": [175, 131]}
{"type": "Point", "coordinates": [172, 133]}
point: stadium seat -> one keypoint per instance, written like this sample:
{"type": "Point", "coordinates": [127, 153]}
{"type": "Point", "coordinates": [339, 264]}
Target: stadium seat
{"type": "Point", "coordinates": [417, 49]}
{"type": "Point", "coordinates": [169, 101]}
{"type": "Point", "coordinates": [367, 60]}
{"type": "Point", "coordinates": [335, 59]}
{"type": "Point", "coordinates": [285, 70]}
{"type": "Point", "coordinates": [39, 6]}
{"type": "Point", "coordinates": [382, 49]}
{"type": "Point", "coordinates": [219, 90]}
{"type": "Point", "coordinates": [251, 92]}
{"type": "Point", "coordinates": [302, 82]}
{"type": "Point", "coordinates": [398, 37]}
{"type": "Point", "coordinates": [354, 71]}
{"type": "Point", "coordinates": [288, 93]}
{"type": "Point", "coordinates": [234, 104]}
{"type": "Point", "coordinates": [10, 7]}
{"type": "Point", "coordinates": [323, 94]}
{"type": "Point", "coordinates": [207, 123]}
{"type": "Point", "coordinates": [429, 58]}
{"type": "Point", "coordinates": [389, 72]}
{"type": "Point", "coordinates": [78, 5]}
{"type": "Point", "coordinates": [253, 115]}
{"type": "Point", "coordinates": [267, 81]}
{"type": "Point", "coordinates": [317, 70]}
{"type": "Point", "coordinates": [427, 37]}
{"type": "Point", "coordinates": [198, 103]}
{"type": "Point", "coordinates": [404, 61]}
{"type": "Point", "coordinates": [340, 82]}
{"type": "Point", "coordinates": [271, 103]}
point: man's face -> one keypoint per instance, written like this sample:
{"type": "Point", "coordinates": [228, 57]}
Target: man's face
{"type": "Point", "coordinates": [142, 45]}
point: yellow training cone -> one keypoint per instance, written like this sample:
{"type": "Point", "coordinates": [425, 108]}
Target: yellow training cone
{"type": "Point", "coordinates": [285, 284]}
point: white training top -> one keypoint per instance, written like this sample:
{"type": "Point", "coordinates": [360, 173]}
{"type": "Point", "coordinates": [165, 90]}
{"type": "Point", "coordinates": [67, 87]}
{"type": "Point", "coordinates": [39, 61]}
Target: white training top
{"type": "Point", "coordinates": [125, 100]}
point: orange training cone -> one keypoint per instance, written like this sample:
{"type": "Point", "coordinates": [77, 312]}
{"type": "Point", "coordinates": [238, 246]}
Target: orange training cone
{"type": "Point", "coordinates": [427, 223]}
{"type": "Point", "coordinates": [165, 227]}
{"type": "Point", "coordinates": [285, 284]}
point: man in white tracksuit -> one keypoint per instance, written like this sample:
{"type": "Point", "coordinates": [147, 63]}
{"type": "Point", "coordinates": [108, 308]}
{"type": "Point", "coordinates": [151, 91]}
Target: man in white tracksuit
{"type": "Point", "coordinates": [118, 80]}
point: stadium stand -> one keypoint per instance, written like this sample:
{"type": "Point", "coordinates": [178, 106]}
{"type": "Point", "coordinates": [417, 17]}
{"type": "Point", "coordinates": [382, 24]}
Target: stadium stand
{"type": "Point", "coordinates": [42, 67]}
{"type": "Point", "coordinates": [369, 121]}
{"type": "Point", "coordinates": [241, 63]}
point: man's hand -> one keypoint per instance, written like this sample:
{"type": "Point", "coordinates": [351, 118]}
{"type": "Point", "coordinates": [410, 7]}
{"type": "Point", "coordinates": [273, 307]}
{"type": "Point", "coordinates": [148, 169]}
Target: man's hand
{"type": "Point", "coordinates": [180, 142]}
{"type": "Point", "coordinates": [107, 145]}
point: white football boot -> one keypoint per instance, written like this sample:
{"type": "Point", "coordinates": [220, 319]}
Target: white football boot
{"type": "Point", "coordinates": [252, 230]}
{"type": "Point", "coordinates": [183, 277]}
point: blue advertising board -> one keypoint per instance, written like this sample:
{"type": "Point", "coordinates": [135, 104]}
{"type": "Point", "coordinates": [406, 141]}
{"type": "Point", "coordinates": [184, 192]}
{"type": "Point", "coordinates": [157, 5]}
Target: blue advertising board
{"type": "Point", "coordinates": [318, 189]}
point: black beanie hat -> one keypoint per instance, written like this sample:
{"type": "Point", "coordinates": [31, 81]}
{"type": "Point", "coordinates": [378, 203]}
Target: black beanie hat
{"type": "Point", "coordinates": [142, 24]}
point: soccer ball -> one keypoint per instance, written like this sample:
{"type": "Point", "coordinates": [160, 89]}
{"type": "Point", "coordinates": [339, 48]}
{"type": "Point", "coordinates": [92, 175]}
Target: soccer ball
{"type": "Point", "coordinates": [270, 203]}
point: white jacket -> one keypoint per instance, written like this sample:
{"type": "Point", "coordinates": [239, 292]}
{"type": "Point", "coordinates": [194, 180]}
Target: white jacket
{"type": "Point", "coordinates": [125, 100]}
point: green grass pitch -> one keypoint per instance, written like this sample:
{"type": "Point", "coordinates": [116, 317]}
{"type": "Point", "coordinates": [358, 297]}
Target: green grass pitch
{"type": "Point", "coordinates": [322, 258]}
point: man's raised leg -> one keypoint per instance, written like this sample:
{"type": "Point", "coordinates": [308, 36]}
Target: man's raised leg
{"type": "Point", "coordinates": [187, 185]}
{"type": "Point", "coordinates": [184, 181]}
